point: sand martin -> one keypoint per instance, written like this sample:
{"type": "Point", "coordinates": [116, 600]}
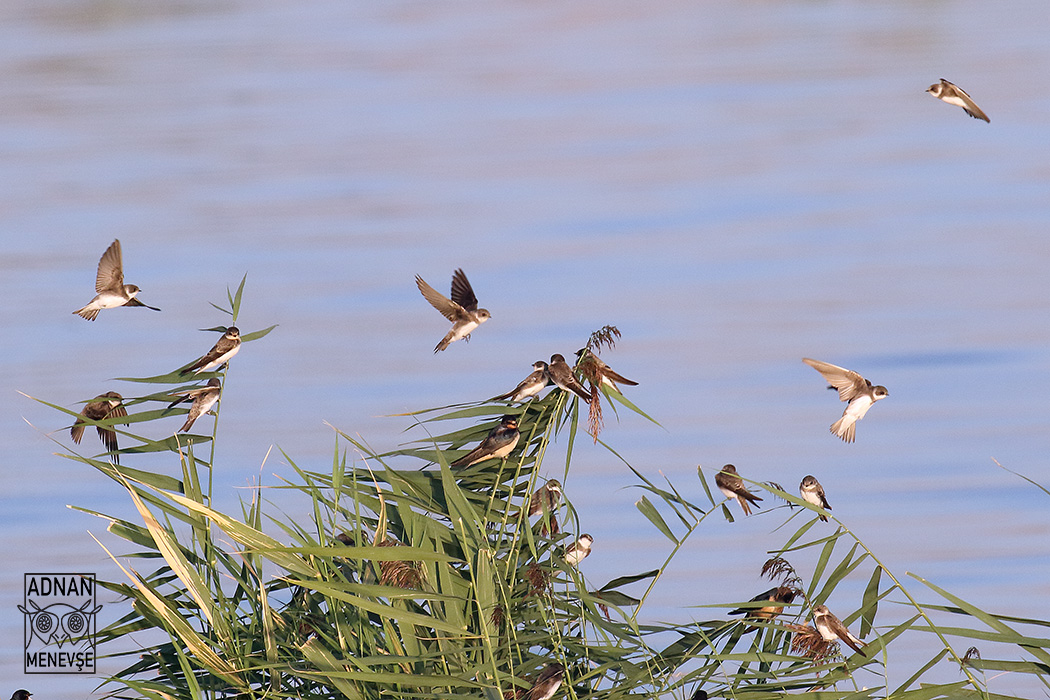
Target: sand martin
{"type": "Point", "coordinates": [578, 550]}
{"type": "Point", "coordinates": [530, 386]}
{"type": "Point", "coordinates": [497, 445]}
{"type": "Point", "coordinates": [547, 683]}
{"type": "Point", "coordinates": [106, 405]}
{"type": "Point", "coordinates": [733, 487]}
{"type": "Point", "coordinates": [203, 399]}
{"type": "Point", "coordinates": [22, 694]}
{"type": "Point", "coordinates": [777, 597]}
{"type": "Point", "coordinates": [462, 309]}
{"type": "Point", "coordinates": [853, 388]}
{"type": "Point", "coordinates": [813, 492]}
{"type": "Point", "coordinates": [955, 95]}
{"type": "Point", "coordinates": [109, 286]}
{"type": "Point", "coordinates": [831, 628]}
{"type": "Point", "coordinates": [220, 354]}
{"type": "Point", "coordinates": [593, 369]}
{"type": "Point", "coordinates": [546, 496]}
{"type": "Point", "coordinates": [562, 375]}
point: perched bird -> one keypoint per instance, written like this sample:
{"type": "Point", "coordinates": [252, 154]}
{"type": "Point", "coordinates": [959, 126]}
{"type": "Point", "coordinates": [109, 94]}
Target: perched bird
{"type": "Point", "coordinates": [104, 406]}
{"type": "Point", "coordinates": [110, 289]}
{"type": "Point", "coordinates": [592, 368]}
{"type": "Point", "coordinates": [831, 628]}
{"type": "Point", "coordinates": [853, 388]}
{"type": "Point", "coordinates": [578, 550]}
{"type": "Point", "coordinates": [778, 597]}
{"type": "Point", "coordinates": [462, 309]}
{"type": "Point", "coordinates": [203, 399]}
{"type": "Point", "coordinates": [497, 445]}
{"type": "Point", "coordinates": [226, 347]}
{"type": "Point", "coordinates": [547, 683]}
{"type": "Point", "coordinates": [562, 375]}
{"type": "Point", "coordinates": [955, 95]}
{"type": "Point", "coordinates": [21, 695]}
{"type": "Point", "coordinates": [813, 492]}
{"type": "Point", "coordinates": [733, 487]}
{"type": "Point", "coordinates": [700, 694]}
{"type": "Point", "coordinates": [546, 496]}
{"type": "Point", "coordinates": [530, 386]}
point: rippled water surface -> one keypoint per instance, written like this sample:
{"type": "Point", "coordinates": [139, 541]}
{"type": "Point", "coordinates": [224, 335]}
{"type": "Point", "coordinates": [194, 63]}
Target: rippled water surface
{"type": "Point", "coordinates": [734, 185]}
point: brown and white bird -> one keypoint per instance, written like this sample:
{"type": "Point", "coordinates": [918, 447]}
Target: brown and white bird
{"type": "Point", "coordinates": [578, 550]}
{"type": "Point", "coordinates": [221, 353]}
{"type": "Point", "coordinates": [831, 629]}
{"type": "Point", "coordinates": [110, 289]}
{"type": "Point", "coordinates": [562, 375]}
{"type": "Point", "coordinates": [108, 405]}
{"type": "Point", "coordinates": [594, 369]}
{"type": "Point", "coordinates": [530, 386]}
{"type": "Point", "coordinates": [858, 391]}
{"type": "Point", "coordinates": [499, 443]}
{"type": "Point", "coordinates": [22, 694]}
{"type": "Point", "coordinates": [462, 309]}
{"type": "Point", "coordinates": [547, 683]}
{"type": "Point", "coordinates": [203, 399]}
{"type": "Point", "coordinates": [732, 486]}
{"type": "Point", "coordinates": [776, 597]}
{"type": "Point", "coordinates": [955, 95]}
{"type": "Point", "coordinates": [545, 497]}
{"type": "Point", "coordinates": [813, 492]}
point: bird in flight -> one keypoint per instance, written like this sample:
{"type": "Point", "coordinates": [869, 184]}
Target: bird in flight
{"type": "Point", "coordinates": [955, 95]}
{"type": "Point", "coordinates": [462, 309]}
{"type": "Point", "coordinates": [110, 289]}
{"type": "Point", "coordinates": [858, 391]}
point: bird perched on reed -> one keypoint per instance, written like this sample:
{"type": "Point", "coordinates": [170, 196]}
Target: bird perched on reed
{"type": "Point", "coordinates": [733, 487]}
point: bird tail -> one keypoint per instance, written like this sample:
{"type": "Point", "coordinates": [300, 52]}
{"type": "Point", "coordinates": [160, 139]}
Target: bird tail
{"type": "Point", "coordinates": [465, 460]}
{"type": "Point", "coordinates": [845, 428]}
{"type": "Point", "coordinates": [619, 378]}
{"type": "Point", "coordinates": [581, 392]}
{"type": "Point", "coordinates": [445, 342]}
{"type": "Point", "coordinates": [88, 312]}
{"type": "Point", "coordinates": [188, 424]}
{"type": "Point", "coordinates": [858, 645]}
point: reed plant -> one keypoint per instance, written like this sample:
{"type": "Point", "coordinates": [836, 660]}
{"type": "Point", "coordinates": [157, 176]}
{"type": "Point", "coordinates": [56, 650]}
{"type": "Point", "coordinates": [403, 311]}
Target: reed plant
{"type": "Point", "coordinates": [409, 578]}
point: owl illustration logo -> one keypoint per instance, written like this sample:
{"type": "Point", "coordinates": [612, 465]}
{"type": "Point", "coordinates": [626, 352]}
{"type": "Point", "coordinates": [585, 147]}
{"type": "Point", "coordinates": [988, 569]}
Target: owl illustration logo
{"type": "Point", "coordinates": [59, 623]}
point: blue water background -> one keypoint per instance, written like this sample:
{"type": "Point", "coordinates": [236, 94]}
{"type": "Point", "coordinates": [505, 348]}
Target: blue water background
{"type": "Point", "coordinates": [734, 185]}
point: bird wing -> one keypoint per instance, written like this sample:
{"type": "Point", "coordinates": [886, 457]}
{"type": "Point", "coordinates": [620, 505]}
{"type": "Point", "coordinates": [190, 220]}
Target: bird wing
{"type": "Point", "coordinates": [616, 377]}
{"type": "Point", "coordinates": [449, 309]}
{"type": "Point", "coordinates": [118, 411]}
{"type": "Point", "coordinates": [462, 292]}
{"type": "Point", "coordinates": [761, 597]}
{"type": "Point", "coordinates": [77, 431]}
{"type": "Point", "coordinates": [823, 499]}
{"type": "Point", "coordinates": [110, 269]}
{"type": "Point", "coordinates": [531, 379]}
{"type": "Point", "coordinates": [848, 382]}
{"type": "Point", "coordinates": [108, 435]}
{"type": "Point", "coordinates": [135, 302]}
{"type": "Point", "coordinates": [965, 101]}
{"type": "Point", "coordinates": [843, 633]}
{"type": "Point", "coordinates": [970, 106]}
